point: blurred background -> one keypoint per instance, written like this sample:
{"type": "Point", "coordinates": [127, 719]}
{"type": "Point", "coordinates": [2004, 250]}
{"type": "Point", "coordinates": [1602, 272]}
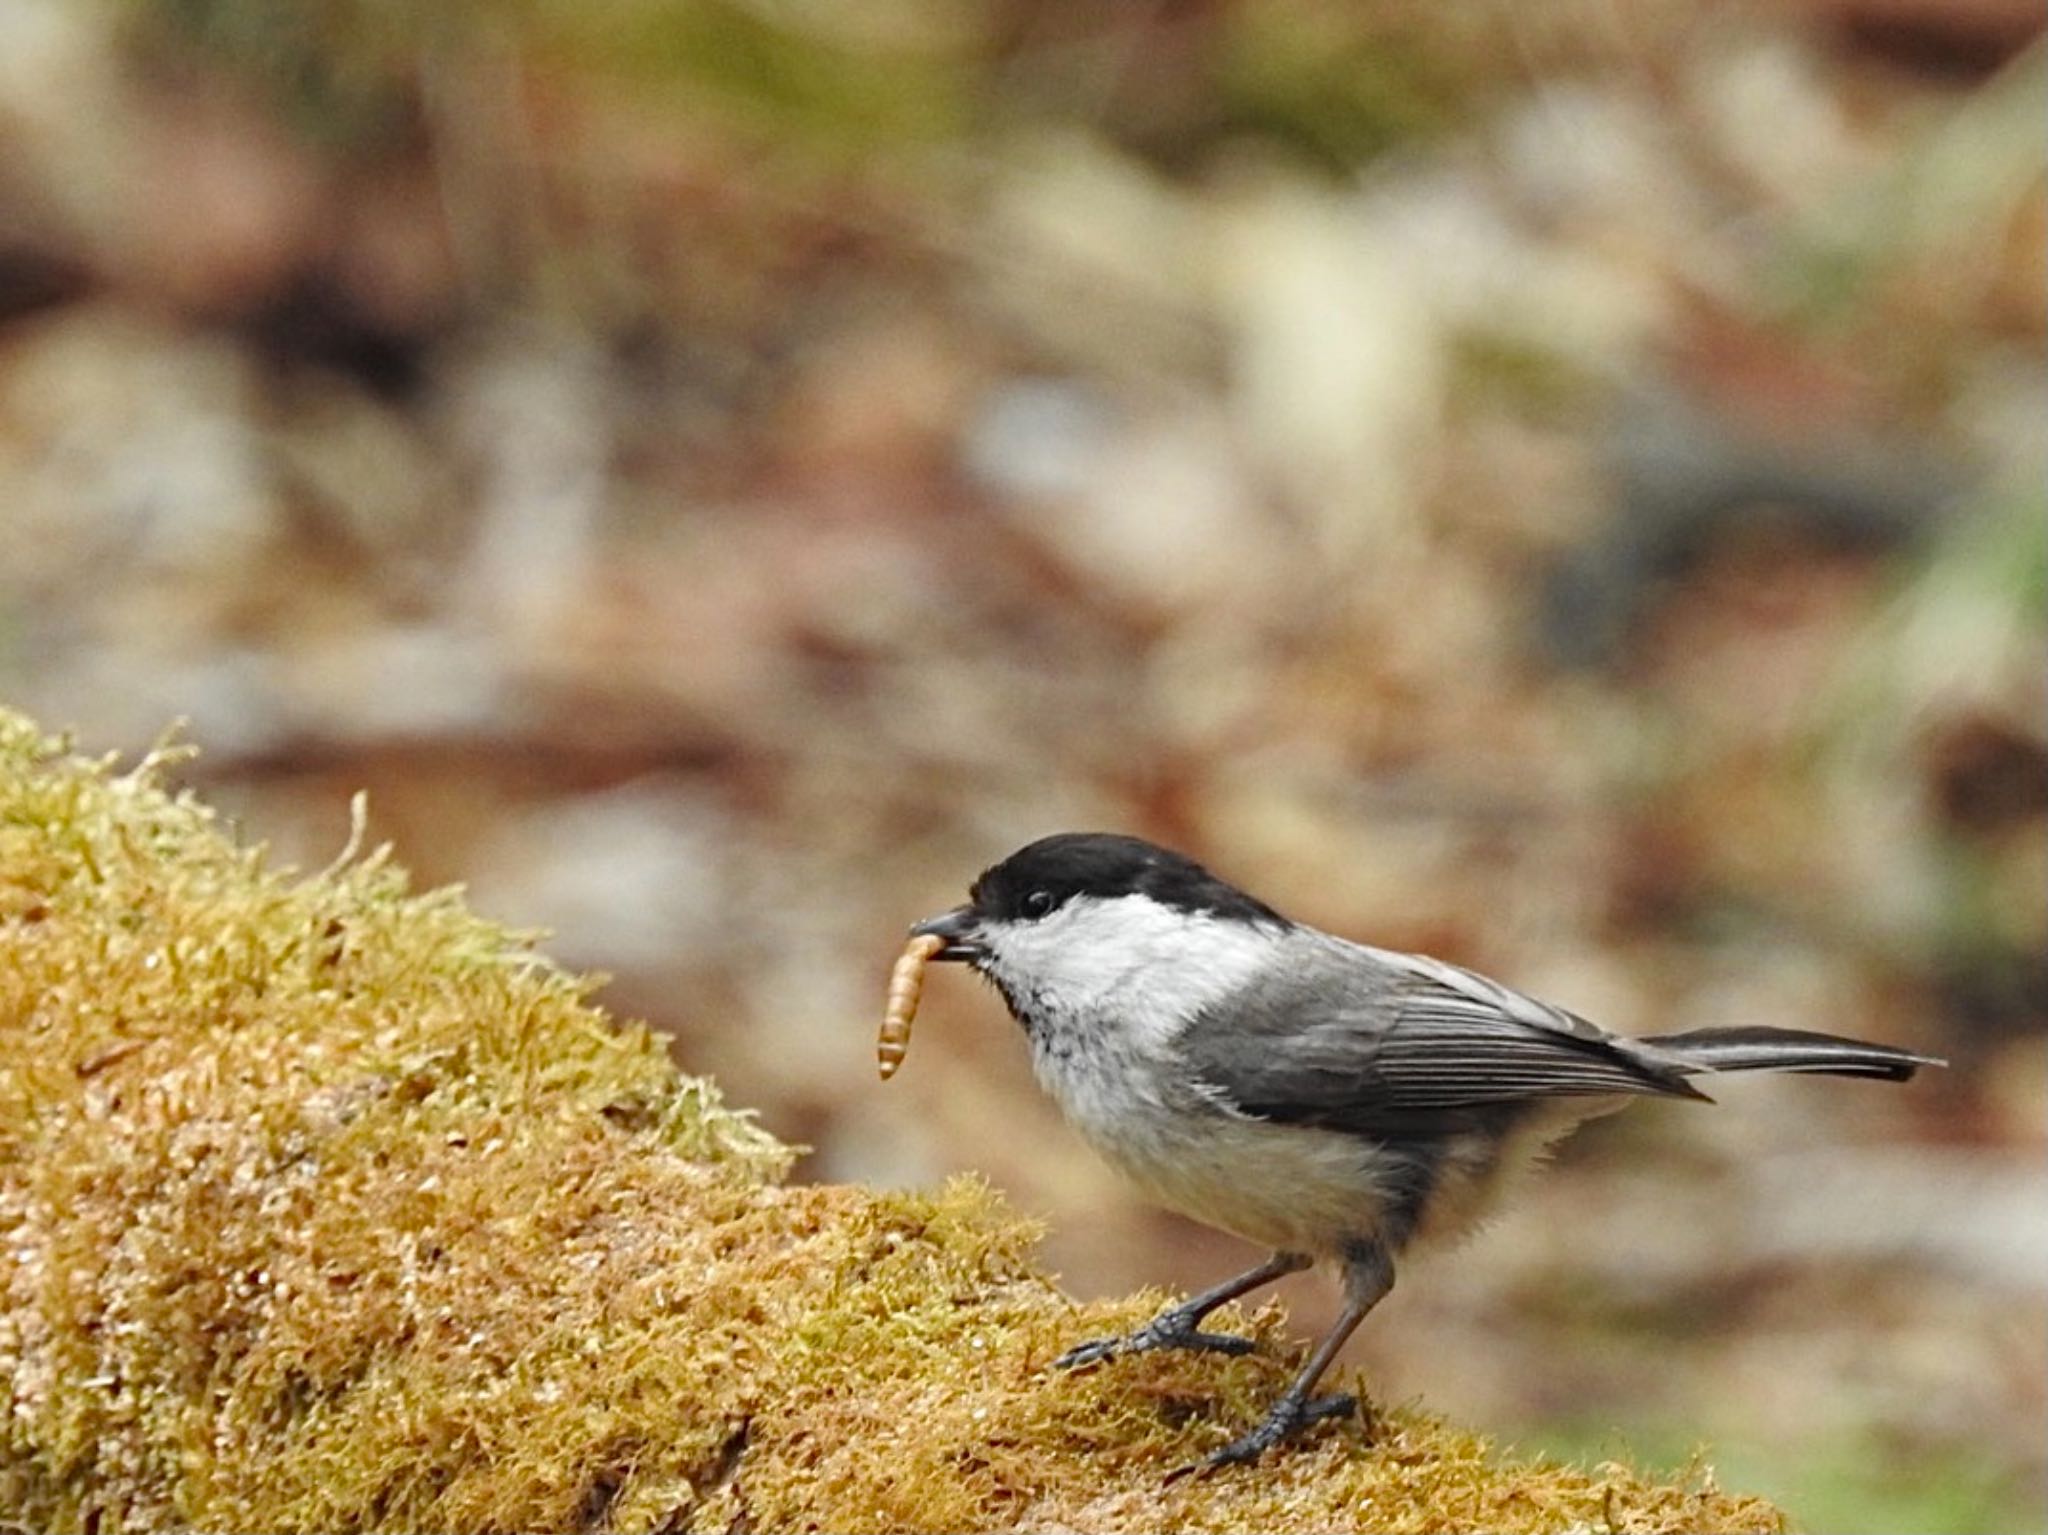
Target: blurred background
{"type": "Point", "coordinates": [1558, 485]}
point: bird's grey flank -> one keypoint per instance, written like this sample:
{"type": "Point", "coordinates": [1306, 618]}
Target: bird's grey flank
{"type": "Point", "coordinates": [1330, 1101]}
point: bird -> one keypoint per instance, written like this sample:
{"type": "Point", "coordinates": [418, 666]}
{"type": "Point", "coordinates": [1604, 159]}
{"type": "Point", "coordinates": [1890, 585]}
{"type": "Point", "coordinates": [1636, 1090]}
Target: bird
{"type": "Point", "coordinates": [1332, 1102]}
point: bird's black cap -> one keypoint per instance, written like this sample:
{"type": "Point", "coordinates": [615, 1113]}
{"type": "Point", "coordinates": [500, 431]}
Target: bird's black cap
{"type": "Point", "coordinates": [1044, 875]}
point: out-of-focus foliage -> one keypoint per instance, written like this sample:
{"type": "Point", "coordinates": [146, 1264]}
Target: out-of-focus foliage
{"type": "Point", "coordinates": [1333, 83]}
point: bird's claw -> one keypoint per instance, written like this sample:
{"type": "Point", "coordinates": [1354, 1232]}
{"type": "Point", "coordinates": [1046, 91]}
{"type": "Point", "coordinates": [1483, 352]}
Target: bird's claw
{"type": "Point", "coordinates": [1290, 1415]}
{"type": "Point", "coordinates": [1154, 1335]}
{"type": "Point", "coordinates": [1092, 1352]}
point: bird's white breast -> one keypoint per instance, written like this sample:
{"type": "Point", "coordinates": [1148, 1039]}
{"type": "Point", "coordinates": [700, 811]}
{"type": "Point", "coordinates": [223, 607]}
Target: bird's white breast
{"type": "Point", "coordinates": [1108, 987]}
{"type": "Point", "coordinates": [1286, 1187]}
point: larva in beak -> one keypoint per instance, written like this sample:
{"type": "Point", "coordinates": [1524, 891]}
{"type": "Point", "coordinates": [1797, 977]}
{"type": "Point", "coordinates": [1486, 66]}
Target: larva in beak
{"type": "Point", "coordinates": [906, 985]}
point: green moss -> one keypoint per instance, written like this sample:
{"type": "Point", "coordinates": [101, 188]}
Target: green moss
{"type": "Point", "coordinates": [325, 1205]}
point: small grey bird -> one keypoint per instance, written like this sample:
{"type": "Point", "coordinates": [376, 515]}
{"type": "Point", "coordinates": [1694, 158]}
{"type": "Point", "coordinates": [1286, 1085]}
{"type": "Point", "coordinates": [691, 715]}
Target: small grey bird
{"type": "Point", "coordinates": [1322, 1098]}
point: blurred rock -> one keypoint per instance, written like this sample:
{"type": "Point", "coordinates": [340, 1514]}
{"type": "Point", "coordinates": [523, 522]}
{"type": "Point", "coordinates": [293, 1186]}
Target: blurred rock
{"type": "Point", "coordinates": [1165, 522]}
{"type": "Point", "coordinates": [1777, 117]}
{"type": "Point", "coordinates": [1983, 1217]}
{"type": "Point", "coordinates": [1103, 265]}
{"type": "Point", "coordinates": [1686, 482]}
{"type": "Point", "coordinates": [129, 446]}
{"type": "Point", "coordinates": [1337, 370]}
{"type": "Point", "coordinates": [532, 414]}
{"type": "Point", "coordinates": [1039, 439]}
{"type": "Point", "coordinates": [396, 683]}
{"type": "Point", "coordinates": [631, 878]}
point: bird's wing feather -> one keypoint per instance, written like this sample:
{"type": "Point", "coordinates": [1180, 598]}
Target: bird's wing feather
{"type": "Point", "coordinates": [1366, 1039]}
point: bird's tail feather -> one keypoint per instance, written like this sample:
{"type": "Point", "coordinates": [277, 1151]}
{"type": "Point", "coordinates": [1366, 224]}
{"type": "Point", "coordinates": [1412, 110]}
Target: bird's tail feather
{"type": "Point", "coordinates": [1760, 1048]}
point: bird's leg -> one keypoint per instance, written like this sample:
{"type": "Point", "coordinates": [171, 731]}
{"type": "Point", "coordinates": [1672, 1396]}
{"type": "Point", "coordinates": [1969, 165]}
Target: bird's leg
{"type": "Point", "coordinates": [1368, 1275]}
{"type": "Point", "coordinates": [1176, 1327]}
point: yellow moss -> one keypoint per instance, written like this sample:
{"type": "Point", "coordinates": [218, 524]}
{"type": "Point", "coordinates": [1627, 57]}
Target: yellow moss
{"type": "Point", "coordinates": [327, 1206]}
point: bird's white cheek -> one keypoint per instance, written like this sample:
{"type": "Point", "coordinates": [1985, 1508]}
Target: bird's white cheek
{"type": "Point", "coordinates": [1051, 966]}
{"type": "Point", "coordinates": [1130, 964]}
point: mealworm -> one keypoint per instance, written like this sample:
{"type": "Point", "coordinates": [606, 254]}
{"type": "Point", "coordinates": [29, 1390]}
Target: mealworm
{"type": "Point", "coordinates": [906, 985]}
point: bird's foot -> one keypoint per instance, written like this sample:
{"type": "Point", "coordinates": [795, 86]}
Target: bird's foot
{"type": "Point", "coordinates": [1167, 1330]}
{"type": "Point", "coordinates": [1290, 1415]}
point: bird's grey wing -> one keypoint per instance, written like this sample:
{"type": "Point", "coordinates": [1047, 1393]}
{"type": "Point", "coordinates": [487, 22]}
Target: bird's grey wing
{"type": "Point", "coordinates": [1371, 1040]}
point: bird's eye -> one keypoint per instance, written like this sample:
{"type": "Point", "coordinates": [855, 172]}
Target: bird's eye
{"type": "Point", "coordinates": [1038, 903]}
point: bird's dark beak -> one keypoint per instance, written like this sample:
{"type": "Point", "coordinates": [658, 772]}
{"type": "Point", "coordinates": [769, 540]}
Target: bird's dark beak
{"type": "Point", "coordinates": [959, 928]}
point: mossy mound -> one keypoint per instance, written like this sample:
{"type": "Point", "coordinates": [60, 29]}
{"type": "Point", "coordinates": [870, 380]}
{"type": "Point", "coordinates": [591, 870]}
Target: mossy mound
{"type": "Point", "coordinates": [325, 1206]}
